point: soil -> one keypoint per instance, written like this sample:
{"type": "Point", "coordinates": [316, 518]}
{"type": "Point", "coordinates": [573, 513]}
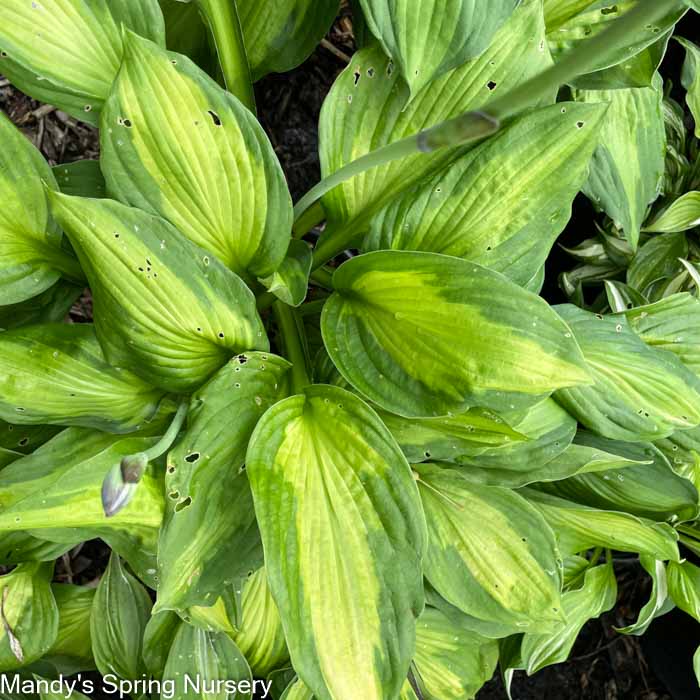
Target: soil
{"type": "Point", "coordinates": [603, 665]}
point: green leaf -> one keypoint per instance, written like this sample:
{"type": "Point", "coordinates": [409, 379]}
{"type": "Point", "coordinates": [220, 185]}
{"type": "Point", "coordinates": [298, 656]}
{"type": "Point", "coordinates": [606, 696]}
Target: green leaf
{"type": "Point", "coordinates": [210, 535]}
{"type": "Point", "coordinates": [55, 493]}
{"type": "Point", "coordinates": [628, 165]}
{"type": "Point", "coordinates": [291, 280]}
{"type": "Point", "coordinates": [72, 650]}
{"type": "Point", "coordinates": [82, 178]}
{"type": "Point", "coordinates": [684, 586]}
{"type": "Point", "coordinates": [186, 33]}
{"type": "Point", "coordinates": [369, 106]}
{"type": "Point", "coordinates": [450, 438]}
{"type": "Point", "coordinates": [330, 484]}
{"type": "Point", "coordinates": [163, 308]}
{"type": "Point", "coordinates": [47, 690]}
{"type": "Point", "coordinates": [635, 72]}
{"type": "Point", "coordinates": [682, 449]}
{"type": "Point", "coordinates": [68, 52]}
{"type": "Point", "coordinates": [19, 547]}
{"type": "Point", "coordinates": [260, 635]}
{"type": "Point", "coordinates": [649, 490]}
{"type": "Point", "coordinates": [281, 35]}
{"type": "Point", "coordinates": [578, 528]}
{"type": "Point", "coordinates": [120, 611]}
{"type": "Point", "coordinates": [194, 155]}
{"type": "Point", "coordinates": [592, 18]}
{"type": "Point", "coordinates": [681, 215]}
{"type": "Point", "coordinates": [429, 39]}
{"type": "Point", "coordinates": [57, 374]}
{"type": "Point", "coordinates": [558, 12]}
{"type": "Point", "coordinates": [28, 615]}
{"type": "Point", "coordinates": [157, 640]}
{"type": "Point", "coordinates": [50, 306]}
{"type": "Point", "coordinates": [657, 259]}
{"type": "Point", "coordinates": [451, 662]}
{"type": "Point", "coordinates": [31, 258]}
{"type": "Point", "coordinates": [296, 690]}
{"type": "Point", "coordinates": [490, 553]}
{"type": "Point", "coordinates": [671, 324]}
{"type": "Point", "coordinates": [423, 334]}
{"type": "Point", "coordinates": [549, 430]}
{"type": "Point", "coordinates": [690, 78]}
{"type": "Point", "coordinates": [658, 604]}
{"type": "Point", "coordinates": [639, 394]}
{"type": "Point", "coordinates": [503, 203]}
{"type": "Point", "coordinates": [210, 660]}
{"type": "Point", "coordinates": [596, 596]}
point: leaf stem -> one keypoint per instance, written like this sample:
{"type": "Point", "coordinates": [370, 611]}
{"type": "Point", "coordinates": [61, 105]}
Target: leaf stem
{"type": "Point", "coordinates": [223, 20]}
{"type": "Point", "coordinates": [163, 445]}
{"type": "Point", "coordinates": [475, 125]}
{"type": "Point", "coordinates": [290, 329]}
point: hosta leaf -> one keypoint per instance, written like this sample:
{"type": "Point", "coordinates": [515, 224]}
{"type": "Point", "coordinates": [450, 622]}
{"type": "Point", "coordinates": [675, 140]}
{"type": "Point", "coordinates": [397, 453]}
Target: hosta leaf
{"type": "Point", "coordinates": [260, 635]}
{"type": "Point", "coordinates": [490, 553]}
{"type": "Point", "coordinates": [72, 650]}
{"type": "Point", "coordinates": [280, 35]}
{"type": "Point", "coordinates": [19, 547]}
{"type": "Point", "coordinates": [628, 165]}
{"type": "Point", "coordinates": [196, 156]}
{"type": "Point", "coordinates": [51, 306]}
{"type": "Point", "coordinates": [57, 490]}
{"type": "Point", "coordinates": [29, 615]}
{"type": "Point", "coordinates": [52, 694]}
{"type": "Point", "coordinates": [504, 202]}
{"type": "Point", "coordinates": [449, 438]}
{"type": "Point", "coordinates": [8, 456]}
{"type": "Point", "coordinates": [592, 18]}
{"type": "Point", "coordinates": [429, 38]}
{"type": "Point", "coordinates": [671, 324]}
{"type": "Point", "coordinates": [578, 528]}
{"type": "Point", "coordinates": [451, 662]}
{"type": "Point", "coordinates": [635, 72]}
{"type": "Point", "coordinates": [657, 259]}
{"type": "Point", "coordinates": [558, 12]}
{"type": "Point", "coordinates": [31, 258]}
{"type": "Point", "coordinates": [423, 334]}
{"type": "Point", "coordinates": [157, 640]}
{"type": "Point", "coordinates": [211, 661]}
{"type": "Point", "coordinates": [163, 307]}
{"type": "Point", "coordinates": [67, 52]}
{"type": "Point", "coordinates": [57, 374]}
{"type": "Point", "coordinates": [209, 535]}
{"type": "Point", "coordinates": [684, 586]}
{"type": "Point", "coordinates": [658, 604]}
{"type": "Point", "coordinates": [330, 484]}
{"type": "Point", "coordinates": [25, 438]}
{"type": "Point", "coordinates": [82, 178]}
{"type": "Point", "coordinates": [596, 596]}
{"type": "Point", "coordinates": [682, 449]}
{"type": "Point", "coordinates": [548, 429]}
{"type": "Point", "coordinates": [120, 611]}
{"type": "Point", "coordinates": [690, 77]}
{"type": "Point", "coordinates": [368, 107]}
{"type": "Point", "coordinates": [640, 393]}
{"type": "Point", "coordinates": [682, 214]}
{"type": "Point", "coordinates": [651, 491]}
{"type": "Point", "coordinates": [296, 690]}
{"type": "Point", "coordinates": [290, 281]}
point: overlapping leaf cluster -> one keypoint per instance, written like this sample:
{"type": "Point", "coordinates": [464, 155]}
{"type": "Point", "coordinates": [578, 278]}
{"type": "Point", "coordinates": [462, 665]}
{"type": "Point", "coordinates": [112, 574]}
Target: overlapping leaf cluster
{"type": "Point", "coordinates": [395, 472]}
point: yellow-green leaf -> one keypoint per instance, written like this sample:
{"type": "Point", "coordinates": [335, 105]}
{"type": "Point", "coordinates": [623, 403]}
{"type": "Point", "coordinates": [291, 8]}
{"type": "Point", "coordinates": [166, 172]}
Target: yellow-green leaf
{"type": "Point", "coordinates": [684, 586]}
{"type": "Point", "coordinates": [640, 393]}
{"type": "Point", "coordinates": [57, 374]}
{"type": "Point", "coordinates": [690, 78]}
{"type": "Point", "coordinates": [163, 308]}
{"type": "Point", "coordinates": [72, 650]}
{"type": "Point", "coordinates": [490, 553]}
{"type": "Point", "coordinates": [331, 485]}
{"type": "Point", "coordinates": [369, 106]}
{"type": "Point", "coordinates": [428, 38]}
{"type": "Point", "coordinates": [682, 214]}
{"type": "Point", "coordinates": [503, 203]}
{"type": "Point", "coordinates": [68, 52]}
{"type": "Point", "coordinates": [31, 257]}
{"type": "Point", "coordinates": [209, 535]}
{"type": "Point", "coordinates": [177, 145]}
{"type": "Point", "coordinates": [423, 334]}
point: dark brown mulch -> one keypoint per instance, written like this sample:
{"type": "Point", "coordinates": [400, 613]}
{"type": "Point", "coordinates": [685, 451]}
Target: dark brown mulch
{"type": "Point", "coordinates": [603, 664]}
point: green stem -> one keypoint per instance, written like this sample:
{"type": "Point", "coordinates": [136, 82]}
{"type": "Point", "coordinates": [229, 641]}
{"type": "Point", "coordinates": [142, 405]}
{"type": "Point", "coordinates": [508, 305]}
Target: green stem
{"type": "Point", "coordinates": [163, 445]}
{"type": "Point", "coordinates": [323, 277]}
{"type": "Point", "coordinates": [313, 216]}
{"type": "Point", "coordinates": [473, 126]}
{"type": "Point", "coordinates": [222, 18]}
{"type": "Point", "coordinates": [265, 301]}
{"type": "Point", "coordinates": [290, 331]}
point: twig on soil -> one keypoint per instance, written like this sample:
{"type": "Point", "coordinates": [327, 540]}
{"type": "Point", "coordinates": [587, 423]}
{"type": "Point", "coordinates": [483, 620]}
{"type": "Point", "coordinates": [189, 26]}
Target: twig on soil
{"type": "Point", "coordinates": [597, 651]}
{"type": "Point", "coordinates": [335, 50]}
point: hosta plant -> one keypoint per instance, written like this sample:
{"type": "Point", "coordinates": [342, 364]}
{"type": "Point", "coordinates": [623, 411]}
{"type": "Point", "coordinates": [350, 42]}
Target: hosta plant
{"type": "Point", "coordinates": [380, 465]}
